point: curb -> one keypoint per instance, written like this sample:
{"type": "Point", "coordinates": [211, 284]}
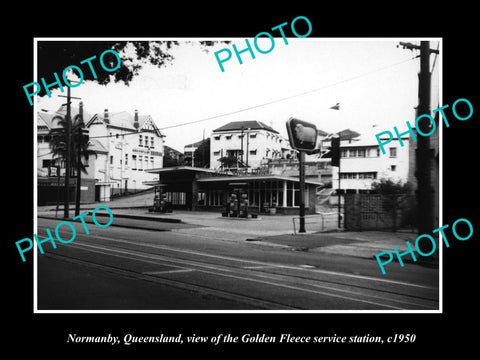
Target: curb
{"type": "Point", "coordinates": [126, 216]}
{"type": "Point", "coordinates": [129, 226]}
{"type": "Point", "coordinates": [148, 218]}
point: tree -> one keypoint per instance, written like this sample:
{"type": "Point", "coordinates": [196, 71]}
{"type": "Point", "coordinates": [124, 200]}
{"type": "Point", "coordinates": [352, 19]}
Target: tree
{"type": "Point", "coordinates": [228, 161]}
{"type": "Point", "coordinates": [54, 56]}
{"type": "Point", "coordinates": [79, 151]}
{"type": "Point", "coordinates": [201, 154]}
{"type": "Point", "coordinates": [394, 195]}
{"type": "Point", "coordinates": [170, 160]}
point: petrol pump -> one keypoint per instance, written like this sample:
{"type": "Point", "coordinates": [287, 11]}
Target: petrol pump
{"type": "Point", "coordinates": [160, 203]}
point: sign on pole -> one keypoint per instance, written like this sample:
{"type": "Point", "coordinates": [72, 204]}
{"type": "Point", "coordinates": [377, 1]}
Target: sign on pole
{"type": "Point", "coordinates": [302, 135]}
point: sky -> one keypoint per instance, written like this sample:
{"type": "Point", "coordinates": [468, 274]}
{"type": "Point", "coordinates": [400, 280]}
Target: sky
{"type": "Point", "coordinates": [375, 83]}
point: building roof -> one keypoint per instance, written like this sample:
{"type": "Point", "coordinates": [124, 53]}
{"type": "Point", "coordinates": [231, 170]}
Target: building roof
{"type": "Point", "coordinates": [124, 120]}
{"type": "Point", "coordinates": [256, 178]}
{"type": "Point", "coordinates": [220, 177]}
{"type": "Point", "coordinates": [195, 144]}
{"type": "Point", "coordinates": [322, 133]}
{"type": "Point", "coordinates": [180, 169]}
{"type": "Point", "coordinates": [44, 120]}
{"type": "Point", "coordinates": [348, 134]}
{"type": "Point", "coordinates": [168, 149]}
{"type": "Point", "coordinates": [45, 117]}
{"type": "Point", "coordinates": [246, 124]}
{"type": "Point", "coordinates": [97, 147]}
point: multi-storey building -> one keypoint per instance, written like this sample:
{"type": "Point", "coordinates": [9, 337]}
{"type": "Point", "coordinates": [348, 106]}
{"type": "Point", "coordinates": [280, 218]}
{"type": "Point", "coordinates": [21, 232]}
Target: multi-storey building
{"type": "Point", "coordinates": [362, 163]}
{"type": "Point", "coordinates": [133, 144]}
{"type": "Point", "coordinates": [251, 142]}
{"type": "Point", "coordinates": [124, 147]}
{"type": "Point", "coordinates": [51, 169]}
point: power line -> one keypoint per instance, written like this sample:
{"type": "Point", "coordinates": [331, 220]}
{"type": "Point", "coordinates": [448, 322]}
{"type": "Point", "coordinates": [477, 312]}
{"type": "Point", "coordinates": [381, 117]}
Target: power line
{"type": "Point", "coordinates": [274, 101]}
{"type": "Point", "coordinates": [290, 97]}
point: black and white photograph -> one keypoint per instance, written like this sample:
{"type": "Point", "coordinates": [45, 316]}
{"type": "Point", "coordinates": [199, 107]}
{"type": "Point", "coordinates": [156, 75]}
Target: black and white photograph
{"type": "Point", "coordinates": [213, 203]}
{"type": "Point", "coordinates": [289, 184]}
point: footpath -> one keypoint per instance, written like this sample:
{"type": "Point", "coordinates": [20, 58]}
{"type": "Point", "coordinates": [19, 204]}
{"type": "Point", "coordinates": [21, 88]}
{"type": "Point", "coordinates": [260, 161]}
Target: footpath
{"type": "Point", "coordinates": [322, 234]}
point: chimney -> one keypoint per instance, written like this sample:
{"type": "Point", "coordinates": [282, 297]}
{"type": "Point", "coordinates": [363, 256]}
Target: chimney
{"type": "Point", "coordinates": [105, 116]}
{"type": "Point", "coordinates": [136, 125]}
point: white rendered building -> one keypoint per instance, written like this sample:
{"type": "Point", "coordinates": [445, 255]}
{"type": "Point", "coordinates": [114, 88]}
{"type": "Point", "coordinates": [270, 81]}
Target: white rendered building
{"type": "Point", "coordinates": [252, 142]}
{"type": "Point", "coordinates": [132, 144]}
{"type": "Point", "coordinates": [362, 163]}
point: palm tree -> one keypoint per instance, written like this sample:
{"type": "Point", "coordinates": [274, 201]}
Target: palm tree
{"type": "Point", "coordinates": [79, 141]}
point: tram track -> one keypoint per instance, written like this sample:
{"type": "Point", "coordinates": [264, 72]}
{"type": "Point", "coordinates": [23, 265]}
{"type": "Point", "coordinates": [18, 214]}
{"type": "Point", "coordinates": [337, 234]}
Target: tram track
{"type": "Point", "coordinates": [265, 285]}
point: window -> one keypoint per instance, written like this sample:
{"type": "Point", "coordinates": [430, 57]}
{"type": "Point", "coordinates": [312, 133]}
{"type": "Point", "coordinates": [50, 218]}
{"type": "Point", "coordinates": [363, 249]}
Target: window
{"type": "Point", "coordinates": [111, 159]}
{"type": "Point", "coordinates": [373, 152]}
{"type": "Point", "coordinates": [216, 137]}
{"type": "Point", "coordinates": [176, 197]}
{"type": "Point", "coordinates": [152, 142]}
{"type": "Point", "coordinates": [146, 162]}
{"type": "Point", "coordinates": [140, 162]}
{"type": "Point", "coordinates": [253, 152]}
{"type": "Point", "coordinates": [343, 153]}
{"type": "Point", "coordinates": [393, 152]}
{"type": "Point", "coordinates": [254, 135]}
{"type": "Point", "coordinates": [361, 152]}
{"type": "Point", "coordinates": [370, 175]}
{"type": "Point", "coordinates": [126, 159]}
{"type": "Point", "coordinates": [216, 153]}
{"type": "Point", "coordinates": [352, 153]}
{"type": "Point", "coordinates": [47, 163]}
{"type": "Point", "coordinates": [134, 162]}
{"type": "Point", "coordinates": [151, 162]}
{"type": "Point", "coordinates": [393, 167]}
{"type": "Point", "coordinates": [293, 195]}
{"type": "Point", "coordinates": [228, 137]}
{"type": "Point", "coordinates": [201, 198]}
{"type": "Point", "coordinates": [140, 140]}
{"type": "Point", "coordinates": [215, 197]}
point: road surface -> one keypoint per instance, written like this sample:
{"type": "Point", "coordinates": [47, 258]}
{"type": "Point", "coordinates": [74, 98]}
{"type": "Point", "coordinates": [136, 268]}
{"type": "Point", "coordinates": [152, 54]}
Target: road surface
{"type": "Point", "coordinates": [119, 268]}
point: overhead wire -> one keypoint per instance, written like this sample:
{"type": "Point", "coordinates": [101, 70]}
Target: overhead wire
{"type": "Point", "coordinates": [273, 101]}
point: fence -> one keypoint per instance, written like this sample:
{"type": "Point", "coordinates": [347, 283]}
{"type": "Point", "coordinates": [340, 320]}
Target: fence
{"type": "Point", "coordinates": [317, 222]}
{"type": "Point", "coordinates": [379, 212]}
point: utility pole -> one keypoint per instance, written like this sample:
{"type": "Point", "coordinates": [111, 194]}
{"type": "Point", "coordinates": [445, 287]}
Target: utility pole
{"type": "Point", "coordinates": [241, 145]}
{"type": "Point", "coordinates": [424, 154]}
{"type": "Point", "coordinates": [79, 159]}
{"type": "Point", "coordinates": [340, 198]}
{"type": "Point", "coordinates": [302, 191]}
{"type": "Point", "coordinates": [68, 127]}
{"type": "Point", "coordinates": [246, 155]}
{"type": "Point", "coordinates": [68, 130]}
